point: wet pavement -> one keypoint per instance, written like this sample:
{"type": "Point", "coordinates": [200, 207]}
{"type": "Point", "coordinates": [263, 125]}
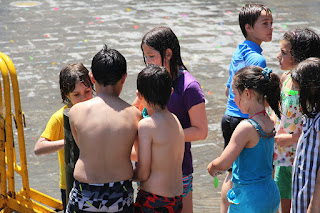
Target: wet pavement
{"type": "Point", "coordinates": [43, 36]}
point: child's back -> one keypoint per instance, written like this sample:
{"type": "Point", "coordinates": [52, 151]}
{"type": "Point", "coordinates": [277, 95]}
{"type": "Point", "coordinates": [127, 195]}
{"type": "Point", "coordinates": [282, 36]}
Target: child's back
{"type": "Point", "coordinates": [161, 145]}
{"type": "Point", "coordinates": [106, 128]}
{"type": "Point", "coordinates": [167, 148]}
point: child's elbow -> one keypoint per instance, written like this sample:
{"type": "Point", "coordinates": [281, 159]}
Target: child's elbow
{"type": "Point", "coordinates": [37, 151]}
{"type": "Point", "coordinates": [204, 133]}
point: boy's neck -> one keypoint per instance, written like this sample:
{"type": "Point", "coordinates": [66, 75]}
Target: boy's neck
{"type": "Point", "coordinates": [250, 38]}
{"type": "Point", "coordinates": [109, 90]}
{"type": "Point", "coordinates": [155, 109]}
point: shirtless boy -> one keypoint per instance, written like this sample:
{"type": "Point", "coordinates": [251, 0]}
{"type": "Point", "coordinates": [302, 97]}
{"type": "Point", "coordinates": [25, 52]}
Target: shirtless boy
{"type": "Point", "coordinates": [160, 147]}
{"type": "Point", "coordinates": [104, 129]}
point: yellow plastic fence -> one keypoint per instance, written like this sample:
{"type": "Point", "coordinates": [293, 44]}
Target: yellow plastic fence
{"type": "Point", "coordinates": [27, 199]}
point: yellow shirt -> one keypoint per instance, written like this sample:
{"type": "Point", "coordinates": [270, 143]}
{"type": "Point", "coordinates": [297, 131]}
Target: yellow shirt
{"type": "Point", "coordinates": [54, 132]}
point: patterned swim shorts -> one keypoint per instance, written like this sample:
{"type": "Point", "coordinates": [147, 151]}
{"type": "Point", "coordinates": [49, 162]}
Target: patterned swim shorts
{"type": "Point", "coordinates": [108, 197]}
{"type": "Point", "coordinates": [149, 202]}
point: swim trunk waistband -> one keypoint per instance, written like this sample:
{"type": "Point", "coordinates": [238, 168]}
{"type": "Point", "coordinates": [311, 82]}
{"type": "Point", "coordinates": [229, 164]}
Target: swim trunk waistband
{"type": "Point", "coordinates": [149, 202]}
{"type": "Point", "coordinates": [110, 197]}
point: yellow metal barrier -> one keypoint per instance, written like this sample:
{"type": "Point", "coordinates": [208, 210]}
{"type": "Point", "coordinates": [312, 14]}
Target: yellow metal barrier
{"type": "Point", "coordinates": [27, 199]}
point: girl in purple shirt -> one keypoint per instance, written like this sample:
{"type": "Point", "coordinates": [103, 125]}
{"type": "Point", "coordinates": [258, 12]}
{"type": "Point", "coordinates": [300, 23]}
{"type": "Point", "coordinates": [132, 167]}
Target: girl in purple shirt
{"type": "Point", "coordinates": [160, 46]}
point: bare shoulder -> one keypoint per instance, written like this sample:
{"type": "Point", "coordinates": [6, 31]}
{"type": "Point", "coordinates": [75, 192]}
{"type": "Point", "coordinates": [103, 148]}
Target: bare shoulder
{"type": "Point", "coordinates": [244, 130]}
{"type": "Point", "coordinates": [284, 77]}
{"type": "Point", "coordinates": [146, 123]}
{"type": "Point", "coordinates": [77, 107]}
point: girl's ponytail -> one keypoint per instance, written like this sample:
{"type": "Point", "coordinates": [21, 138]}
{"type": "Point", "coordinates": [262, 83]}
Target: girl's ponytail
{"type": "Point", "coordinates": [272, 93]}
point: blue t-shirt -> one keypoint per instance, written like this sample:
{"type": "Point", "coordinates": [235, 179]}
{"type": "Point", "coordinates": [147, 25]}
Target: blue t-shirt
{"type": "Point", "coordinates": [248, 53]}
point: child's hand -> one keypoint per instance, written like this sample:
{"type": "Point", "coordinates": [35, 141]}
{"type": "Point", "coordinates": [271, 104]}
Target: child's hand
{"type": "Point", "coordinates": [213, 172]}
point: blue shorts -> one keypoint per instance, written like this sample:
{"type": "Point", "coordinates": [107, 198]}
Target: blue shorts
{"type": "Point", "coordinates": [187, 184]}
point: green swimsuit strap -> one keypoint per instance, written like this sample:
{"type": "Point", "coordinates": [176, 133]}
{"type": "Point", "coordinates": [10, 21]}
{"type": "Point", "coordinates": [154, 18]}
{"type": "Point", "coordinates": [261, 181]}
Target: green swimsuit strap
{"type": "Point", "coordinates": [287, 90]}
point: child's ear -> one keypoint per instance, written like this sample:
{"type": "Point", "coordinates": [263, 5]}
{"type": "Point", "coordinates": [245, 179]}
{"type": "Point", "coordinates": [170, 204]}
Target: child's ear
{"type": "Point", "coordinates": [92, 78]}
{"type": "Point", "coordinates": [248, 28]}
{"type": "Point", "coordinates": [123, 79]}
{"type": "Point", "coordinates": [138, 95]}
{"type": "Point", "coordinates": [168, 54]}
{"type": "Point", "coordinates": [247, 92]}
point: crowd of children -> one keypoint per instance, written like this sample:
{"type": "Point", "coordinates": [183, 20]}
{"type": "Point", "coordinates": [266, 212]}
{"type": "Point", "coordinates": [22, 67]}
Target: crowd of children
{"type": "Point", "coordinates": [270, 128]}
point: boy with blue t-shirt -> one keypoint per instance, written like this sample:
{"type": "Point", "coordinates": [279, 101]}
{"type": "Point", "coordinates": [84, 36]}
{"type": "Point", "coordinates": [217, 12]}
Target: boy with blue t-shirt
{"type": "Point", "coordinates": [255, 21]}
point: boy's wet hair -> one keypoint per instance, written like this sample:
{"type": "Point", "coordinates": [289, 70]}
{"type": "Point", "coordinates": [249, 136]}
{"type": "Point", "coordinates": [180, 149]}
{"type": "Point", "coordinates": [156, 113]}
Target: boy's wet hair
{"type": "Point", "coordinates": [307, 74]}
{"type": "Point", "coordinates": [251, 77]}
{"type": "Point", "coordinates": [305, 43]}
{"type": "Point", "coordinates": [161, 39]}
{"type": "Point", "coordinates": [155, 85]}
{"type": "Point", "coordinates": [69, 76]}
{"type": "Point", "coordinates": [249, 14]}
{"type": "Point", "coordinates": [108, 66]}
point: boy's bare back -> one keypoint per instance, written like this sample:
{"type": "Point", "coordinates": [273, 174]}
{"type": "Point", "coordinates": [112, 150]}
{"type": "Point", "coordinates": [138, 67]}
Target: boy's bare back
{"type": "Point", "coordinates": [161, 144]}
{"type": "Point", "coordinates": [104, 128]}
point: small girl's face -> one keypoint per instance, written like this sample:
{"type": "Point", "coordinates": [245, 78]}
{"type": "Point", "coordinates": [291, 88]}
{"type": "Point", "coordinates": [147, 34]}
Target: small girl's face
{"type": "Point", "coordinates": [151, 55]}
{"type": "Point", "coordinates": [80, 93]}
{"type": "Point", "coordinates": [237, 97]}
{"type": "Point", "coordinates": [285, 57]}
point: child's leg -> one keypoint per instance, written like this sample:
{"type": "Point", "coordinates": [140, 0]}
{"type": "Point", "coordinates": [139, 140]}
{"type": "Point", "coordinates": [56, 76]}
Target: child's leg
{"type": "Point", "coordinates": [187, 203]}
{"type": "Point", "coordinates": [285, 205]}
{"type": "Point", "coordinates": [228, 125]}
{"type": "Point", "coordinates": [283, 179]}
{"type": "Point", "coordinates": [226, 186]}
{"type": "Point", "coordinates": [187, 194]}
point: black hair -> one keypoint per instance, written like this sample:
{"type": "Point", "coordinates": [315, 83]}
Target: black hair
{"type": "Point", "coordinates": [161, 39]}
{"type": "Point", "coordinates": [155, 84]}
{"type": "Point", "coordinates": [249, 14]}
{"type": "Point", "coordinates": [69, 76]}
{"type": "Point", "coordinates": [108, 66]}
{"type": "Point", "coordinates": [305, 43]}
{"type": "Point", "coordinates": [251, 77]}
{"type": "Point", "coordinates": [307, 74]}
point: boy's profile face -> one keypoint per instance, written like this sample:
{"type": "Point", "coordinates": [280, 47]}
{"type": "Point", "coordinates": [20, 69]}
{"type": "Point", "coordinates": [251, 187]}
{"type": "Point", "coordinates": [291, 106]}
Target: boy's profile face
{"type": "Point", "coordinates": [262, 29]}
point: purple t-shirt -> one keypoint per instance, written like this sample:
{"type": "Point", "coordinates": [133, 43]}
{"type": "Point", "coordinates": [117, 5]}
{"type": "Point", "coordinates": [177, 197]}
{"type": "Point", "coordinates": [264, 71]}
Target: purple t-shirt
{"type": "Point", "coordinates": [187, 93]}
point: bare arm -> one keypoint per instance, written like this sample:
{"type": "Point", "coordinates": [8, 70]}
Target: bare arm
{"type": "Point", "coordinates": [314, 206]}
{"type": "Point", "coordinates": [285, 140]}
{"type": "Point", "coordinates": [199, 123]}
{"type": "Point", "coordinates": [243, 134]}
{"type": "Point", "coordinates": [45, 146]}
{"type": "Point", "coordinates": [134, 151]}
{"type": "Point", "coordinates": [143, 170]}
{"type": "Point", "coordinates": [227, 91]}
